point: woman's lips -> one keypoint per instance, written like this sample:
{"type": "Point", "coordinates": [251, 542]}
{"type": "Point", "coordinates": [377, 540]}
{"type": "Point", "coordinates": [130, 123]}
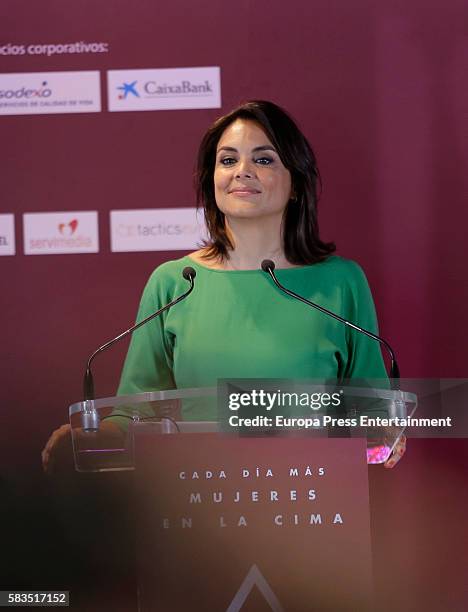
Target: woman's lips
{"type": "Point", "coordinates": [244, 192]}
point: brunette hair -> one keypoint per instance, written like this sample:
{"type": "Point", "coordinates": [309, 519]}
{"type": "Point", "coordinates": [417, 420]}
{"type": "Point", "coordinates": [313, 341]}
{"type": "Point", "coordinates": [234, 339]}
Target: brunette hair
{"type": "Point", "coordinates": [300, 231]}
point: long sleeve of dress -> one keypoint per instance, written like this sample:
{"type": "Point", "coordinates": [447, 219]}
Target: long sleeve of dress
{"type": "Point", "coordinates": [364, 354]}
{"type": "Point", "coordinates": [149, 361]}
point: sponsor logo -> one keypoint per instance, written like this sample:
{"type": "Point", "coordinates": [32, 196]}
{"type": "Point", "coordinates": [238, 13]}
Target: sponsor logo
{"type": "Point", "coordinates": [161, 229]}
{"type": "Point", "coordinates": [49, 93]}
{"type": "Point", "coordinates": [154, 88]}
{"type": "Point", "coordinates": [128, 88]}
{"type": "Point", "coordinates": [7, 234]}
{"type": "Point", "coordinates": [164, 89]}
{"type": "Point", "coordinates": [41, 92]}
{"type": "Point", "coordinates": [68, 229]}
{"type": "Point", "coordinates": [60, 233]}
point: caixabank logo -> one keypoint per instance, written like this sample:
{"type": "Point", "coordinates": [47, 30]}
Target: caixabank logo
{"type": "Point", "coordinates": [40, 93]}
{"type": "Point", "coordinates": [59, 233]}
{"type": "Point", "coordinates": [128, 89]}
{"type": "Point", "coordinates": [164, 89]}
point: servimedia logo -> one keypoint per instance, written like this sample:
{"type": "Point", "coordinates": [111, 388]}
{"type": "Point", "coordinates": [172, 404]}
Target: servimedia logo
{"type": "Point", "coordinates": [60, 233]}
{"type": "Point", "coordinates": [68, 229]}
{"type": "Point", "coordinates": [164, 89]}
{"type": "Point", "coordinates": [159, 229]}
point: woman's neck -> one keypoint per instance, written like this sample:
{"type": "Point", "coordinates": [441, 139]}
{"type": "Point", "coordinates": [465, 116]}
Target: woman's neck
{"type": "Point", "coordinates": [253, 242]}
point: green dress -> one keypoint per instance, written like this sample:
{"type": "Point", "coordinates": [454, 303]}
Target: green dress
{"type": "Point", "coordinates": [237, 324]}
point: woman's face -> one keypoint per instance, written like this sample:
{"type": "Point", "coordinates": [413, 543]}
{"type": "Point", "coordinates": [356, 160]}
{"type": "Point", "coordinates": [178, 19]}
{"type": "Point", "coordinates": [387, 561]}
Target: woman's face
{"type": "Point", "coordinates": [250, 180]}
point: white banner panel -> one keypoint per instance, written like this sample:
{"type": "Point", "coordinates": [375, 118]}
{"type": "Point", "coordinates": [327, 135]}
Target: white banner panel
{"type": "Point", "coordinates": [156, 229]}
{"type": "Point", "coordinates": [164, 89]}
{"type": "Point", "coordinates": [59, 233]}
{"type": "Point", "coordinates": [7, 234]}
{"type": "Point", "coordinates": [43, 93]}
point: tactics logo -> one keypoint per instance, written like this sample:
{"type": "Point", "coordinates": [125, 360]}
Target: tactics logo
{"type": "Point", "coordinates": [161, 229]}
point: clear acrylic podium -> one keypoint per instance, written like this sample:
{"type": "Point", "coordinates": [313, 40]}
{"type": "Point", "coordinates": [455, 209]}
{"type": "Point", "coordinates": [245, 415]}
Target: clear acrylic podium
{"type": "Point", "coordinates": [103, 430]}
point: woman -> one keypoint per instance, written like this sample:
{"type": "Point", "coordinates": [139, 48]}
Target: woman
{"type": "Point", "coordinates": [257, 180]}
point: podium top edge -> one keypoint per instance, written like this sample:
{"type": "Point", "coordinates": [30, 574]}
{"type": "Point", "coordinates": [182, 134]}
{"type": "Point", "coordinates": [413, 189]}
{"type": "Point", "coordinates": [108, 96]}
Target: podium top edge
{"type": "Point", "coordinates": [196, 392]}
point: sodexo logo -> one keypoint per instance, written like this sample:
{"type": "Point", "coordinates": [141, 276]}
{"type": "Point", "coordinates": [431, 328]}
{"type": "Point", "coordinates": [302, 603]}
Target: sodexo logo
{"type": "Point", "coordinates": [164, 89]}
{"type": "Point", "coordinates": [60, 233]}
{"type": "Point", "coordinates": [39, 93]}
{"type": "Point", "coordinates": [158, 229]}
{"type": "Point", "coordinates": [7, 234]}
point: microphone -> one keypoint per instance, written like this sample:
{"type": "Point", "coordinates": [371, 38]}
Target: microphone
{"type": "Point", "coordinates": [88, 384]}
{"type": "Point", "coordinates": [268, 266]}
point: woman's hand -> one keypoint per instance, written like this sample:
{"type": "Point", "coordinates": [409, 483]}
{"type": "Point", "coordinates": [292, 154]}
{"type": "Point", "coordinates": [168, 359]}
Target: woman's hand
{"type": "Point", "coordinates": [59, 441]}
{"type": "Point", "coordinates": [397, 454]}
{"type": "Point", "coordinates": [58, 452]}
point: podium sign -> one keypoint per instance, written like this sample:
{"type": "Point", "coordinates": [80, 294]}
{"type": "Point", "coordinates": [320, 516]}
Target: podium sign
{"type": "Point", "coordinates": [228, 523]}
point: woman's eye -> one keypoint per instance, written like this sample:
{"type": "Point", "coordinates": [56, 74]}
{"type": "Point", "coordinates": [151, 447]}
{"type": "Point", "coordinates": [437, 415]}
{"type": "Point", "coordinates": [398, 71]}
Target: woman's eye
{"type": "Point", "coordinates": [264, 161]}
{"type": "Point", "coordinates": [227, 161]}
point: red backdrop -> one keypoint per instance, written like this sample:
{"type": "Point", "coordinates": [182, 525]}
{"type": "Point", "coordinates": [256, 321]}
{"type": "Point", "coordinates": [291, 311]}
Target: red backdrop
{"type": "Point", "coordinates": [379, 90]}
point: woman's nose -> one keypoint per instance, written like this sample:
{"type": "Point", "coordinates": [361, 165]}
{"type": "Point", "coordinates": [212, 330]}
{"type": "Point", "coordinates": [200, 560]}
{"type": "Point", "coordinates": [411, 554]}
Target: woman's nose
{"type": "Point", "coordinates": [245, 169]}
